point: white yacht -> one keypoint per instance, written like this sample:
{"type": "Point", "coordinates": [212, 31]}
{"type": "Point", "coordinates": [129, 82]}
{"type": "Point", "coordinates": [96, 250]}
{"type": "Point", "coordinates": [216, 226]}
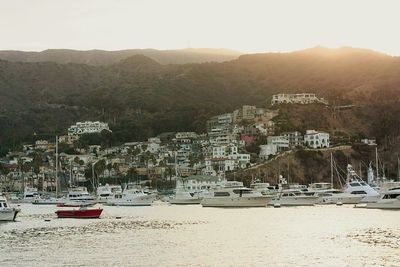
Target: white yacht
{"type": "Point", "coordinates": [294, 197]}
{"type": "Point", "coordinates": [328, 195]}
{"type": "Point", "coordinates": [191, 190]}
{"type": "Point", "coordinates": [132, 195]}
{"type": "Point", "coordinates": [264, 188]}
{"type": "Point", "coordinates": [356, 186]}
{"type": "Point", "coordinates": [107, 192]}
{"type": "Point", "coordinates": [390, 199]}
{"type": "Point", "coordinates": [7, 213]}
{"type": "Point", "coordinates": [47, 200]}
{"type": "Point", "coordinates": [234, 194]}
{"type": "Point", "coordinates": [79, 194]}
{"type": "Point", "coordinates": [185, 197]}
{"type": "Point", "coordinates": [30, 193]}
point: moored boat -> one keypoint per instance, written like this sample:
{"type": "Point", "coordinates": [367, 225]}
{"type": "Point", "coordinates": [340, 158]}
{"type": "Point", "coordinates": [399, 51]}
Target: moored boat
{"type": "Point", "coordinates": [47, 201]}
{"type": "Point", "coordinates": [107, 192]}
{"type": "Point", "coordinates": [7, 213]}
{"type": "Point", "coordinates": [184, 197]}
{"type": "Point", "coordinates": [132, 195]}
{"type": "Point", "coordinates": [81, 213]}
{"type": "Point", "coordinates": [293, 197]}
{"type": "Point", "coordinates": [390, 199]}
{"type": "Point", "coordinates": [234, 194]}
{"type": "Point", "coordinates": [356, 186]}
{"type": "Point", "coordinates": [329, 195]}
{"type": "Point", "coordinates": [79, 194]}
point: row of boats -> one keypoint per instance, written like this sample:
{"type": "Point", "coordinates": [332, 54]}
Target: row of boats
{"type": "Point", "coordinates": [234, 194]}
{"type": "Point", "coordinates": [223, 194]}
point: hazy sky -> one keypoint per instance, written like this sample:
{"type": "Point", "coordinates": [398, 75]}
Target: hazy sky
{"type": "Point", "coordinates": [248, 26]}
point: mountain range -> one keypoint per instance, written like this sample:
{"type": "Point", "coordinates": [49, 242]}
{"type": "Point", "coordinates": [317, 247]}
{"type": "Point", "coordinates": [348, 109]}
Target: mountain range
{"type": "Point", "coordinates": [141, 96]}
{"type": "Point", "coordinates": [102, 57]}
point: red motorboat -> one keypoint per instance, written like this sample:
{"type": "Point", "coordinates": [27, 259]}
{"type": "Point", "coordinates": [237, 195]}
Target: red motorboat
{"type": "Point", "coordinates": [82, 213]}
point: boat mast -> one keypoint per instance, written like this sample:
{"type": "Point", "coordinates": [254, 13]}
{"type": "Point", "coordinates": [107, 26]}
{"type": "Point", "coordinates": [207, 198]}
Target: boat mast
{"type": "Point", "coordinates": [70, 174]}
{"type": "Point", "coordinates": [398, 168]}
{"type": "Point", "coordinates": [176, 170]}
{"type": "Point", "coordinates": [331, 171]}
{"type": "Point", "coordinates": [56, 166]}
{"type": "Point", "coordinates": [377, 163]}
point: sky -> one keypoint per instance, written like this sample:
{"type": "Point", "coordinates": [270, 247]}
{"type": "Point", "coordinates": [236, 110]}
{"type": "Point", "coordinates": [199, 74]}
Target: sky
{"type": "Point", "coordinates": [244, 25]}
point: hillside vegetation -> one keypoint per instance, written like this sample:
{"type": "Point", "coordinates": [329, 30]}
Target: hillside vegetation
{"type": "Point", "coordinates": [140, 97]}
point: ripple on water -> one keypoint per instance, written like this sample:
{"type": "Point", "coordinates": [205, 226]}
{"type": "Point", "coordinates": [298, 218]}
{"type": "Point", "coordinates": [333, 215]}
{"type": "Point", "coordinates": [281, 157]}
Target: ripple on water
{"type": "Point", "coordinates": [377, 236]}
{"type": "Point", "coordinates": [24, 238]}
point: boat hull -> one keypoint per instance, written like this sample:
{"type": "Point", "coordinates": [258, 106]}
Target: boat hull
{"type": "Point", "coordinates": [389, 204]}
{"type": "Point", "coordinates": [50, 201]}
{"type": "Point", "coordinates": [343, 200]}
{"type": "Point", "coordinates": [134, 201]}
{"type": "Point", "coordinates": [80, 213]}
{"type": "Point", "coordinates": [370, 199]}
{"type": "Point", "coordinates": [187, 201]}
{"type": "Point", "coordinates": [294, 201]}
{"type": "Point", "coordinates": [233, 202]}
{"type": "Point", "coordinates": [8, 215]}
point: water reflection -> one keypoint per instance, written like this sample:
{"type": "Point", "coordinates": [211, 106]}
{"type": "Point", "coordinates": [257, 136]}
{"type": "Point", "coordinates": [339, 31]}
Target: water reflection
{"type": "Point", "coordinates": [196, 236]}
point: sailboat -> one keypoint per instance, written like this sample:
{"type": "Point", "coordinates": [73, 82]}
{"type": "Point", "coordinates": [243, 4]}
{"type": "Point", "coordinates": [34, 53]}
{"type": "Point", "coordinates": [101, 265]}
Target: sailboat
{"type": "Point", "coordinates": [47, 200]}
{"type": "Point", "coordinates": [329, 195]}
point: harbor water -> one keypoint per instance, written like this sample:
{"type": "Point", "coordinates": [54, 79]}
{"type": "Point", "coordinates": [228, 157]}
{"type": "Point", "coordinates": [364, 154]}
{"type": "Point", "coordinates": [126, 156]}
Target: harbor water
{"type": "Point", "coordinates": [164, 235]}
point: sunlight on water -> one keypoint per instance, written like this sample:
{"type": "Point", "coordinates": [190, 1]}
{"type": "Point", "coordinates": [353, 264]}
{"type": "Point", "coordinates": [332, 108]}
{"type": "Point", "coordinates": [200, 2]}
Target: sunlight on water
{"type": "Point", "coordinates": [196, 236]}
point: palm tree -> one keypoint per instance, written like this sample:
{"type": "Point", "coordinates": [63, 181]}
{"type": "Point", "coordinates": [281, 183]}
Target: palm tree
{"type": "Point", "coordinates": [99, 167]}
{"type": "Point", "coordinates": [36, 164]}
{"type": "Point", "coordinates": [109, 168]}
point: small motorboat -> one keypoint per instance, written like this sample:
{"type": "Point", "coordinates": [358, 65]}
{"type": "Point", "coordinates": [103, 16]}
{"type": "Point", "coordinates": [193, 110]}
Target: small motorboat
{"type": "Point", "coordinates": [7, 213]}
{"type": "Point", "coordinates": [81, 213]}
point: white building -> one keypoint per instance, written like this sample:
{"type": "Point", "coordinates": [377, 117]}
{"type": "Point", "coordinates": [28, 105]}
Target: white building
{"type": "Point", "coordinates": [223, 139]}
{"type": "Point", "coordinates": [88, 127]}
{"type": "Point", "coordinates": [241, 160]}
{"type": "Point", "coordinates": [41, 144]}
{"type": "Point", "coordinates": [370, 142]}
{"type": "Point", "coordinates": [295, 138]}
{"type": "Point", "coordinates": [315, 139]}
{"type": "Point", "coordinates": [218, 166]}
{"type": "Point", "coordinates": [281, 142]}
{"type": "Point", "coordinates": [305, 98]}
{"type": "Point", "coordinates": [197, 183]}
{"type": "Point", "coordinates": [267, 150]}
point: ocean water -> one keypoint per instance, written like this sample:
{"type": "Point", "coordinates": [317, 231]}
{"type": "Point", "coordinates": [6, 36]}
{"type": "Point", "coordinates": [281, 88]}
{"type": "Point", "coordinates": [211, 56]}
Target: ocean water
{"type": "Point", "coordinates": [164, 235]}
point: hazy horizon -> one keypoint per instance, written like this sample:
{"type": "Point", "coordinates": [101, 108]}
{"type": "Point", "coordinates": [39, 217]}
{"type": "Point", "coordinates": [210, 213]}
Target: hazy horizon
{"type": "Point", "coordinates": [199, 48]}
{"type": "Point", "coordinates": [258, 26]}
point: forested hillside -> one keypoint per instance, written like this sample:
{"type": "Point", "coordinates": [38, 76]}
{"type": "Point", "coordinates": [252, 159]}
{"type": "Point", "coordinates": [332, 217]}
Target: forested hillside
{"type": "Point", "coordinates": [140, 97]}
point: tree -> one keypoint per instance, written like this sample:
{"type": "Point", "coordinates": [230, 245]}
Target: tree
{"type": "Point", "coordinates": [99, 168]}
{"type": "Point", "coordinates": [3, 169]}
{"type": "Point", "coordinates": [37, 164]}
{"type": "Point", "coordinates": [109, 168]}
